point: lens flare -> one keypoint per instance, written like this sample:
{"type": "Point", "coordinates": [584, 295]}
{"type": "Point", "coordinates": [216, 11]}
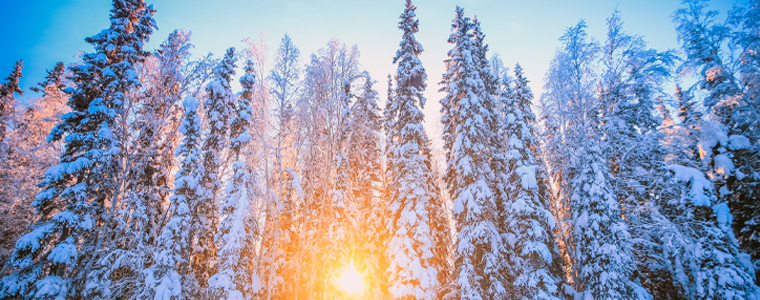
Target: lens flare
{"type": "Point", "coordinates": [351, 281]}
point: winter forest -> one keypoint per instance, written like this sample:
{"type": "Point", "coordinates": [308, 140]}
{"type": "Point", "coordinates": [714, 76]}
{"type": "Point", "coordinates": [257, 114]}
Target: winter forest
{"type": "Point", "coordinates": [141, 174]}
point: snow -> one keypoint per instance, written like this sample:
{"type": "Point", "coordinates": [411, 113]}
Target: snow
{"type": "Point", "coordinates": [64, 253]}
{"type": "Point", "coordinates": [723, 214]}
{"type": "Point", "coordinates": [700, 186]}
{"type": "Point", "coordinates": [528, 176]}
{"type": "Point", "coordinates": [221, 280]}
{"type": "Point", "coordinates": [738, 142]}
{"type": "Point", "coordinates": [190, 104]}
{"type": "Point", "coordinates": [244, 137]}
{"type": "Point", "coordinates": [31, 240]}
{"type": "Point", "coordinates": [51, 287]}
{"type": "Point", "coordinates": [713, 134]}
{"type": "Point", "coordinates": [255, 283]}
{"type": "Point", "coordinates": [723, 165]}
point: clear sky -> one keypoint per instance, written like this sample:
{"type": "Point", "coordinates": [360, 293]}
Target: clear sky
{"type": "Point", "coordinates": [42, 32]}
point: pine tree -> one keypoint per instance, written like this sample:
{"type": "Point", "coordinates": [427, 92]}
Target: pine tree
{"type": "Point", "coordinates": [218, 108]}
{"type": "Point", "coordinates": [746, 115]}
{"type": "Point", "coordinates": [603, 243]}
{"type": "Point", "coordinates": [236, 277]}
{"type": "Point", "coordinates": [9, 204]}
{"type": "Point", "coordinates": [85, 179]}
{"type": "Point", "coordinates": [529, 224]}
{"type": "Point", "coordinates": [467, 134]}
{"type": "Point", "coordinates": [711, 266]}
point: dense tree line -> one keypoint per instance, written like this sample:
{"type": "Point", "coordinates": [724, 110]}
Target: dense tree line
{"type": "Point", "coordinates": [140, 174]}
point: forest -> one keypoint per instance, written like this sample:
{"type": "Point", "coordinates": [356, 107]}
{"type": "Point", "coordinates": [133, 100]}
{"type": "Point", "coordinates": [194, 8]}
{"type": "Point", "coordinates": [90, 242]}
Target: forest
{"type": "Point", "coordinates": [140, 174]}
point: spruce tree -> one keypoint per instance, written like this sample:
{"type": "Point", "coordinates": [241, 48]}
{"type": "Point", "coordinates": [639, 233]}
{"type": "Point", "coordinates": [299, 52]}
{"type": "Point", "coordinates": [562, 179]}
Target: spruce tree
{"type": "Point", "coordinates": [25, 155]}
{"type": "Point", "coordinates": [7, 98]}
{"type": "Point", "coordinates": [236, 277]}
{"type": "Point", "coordinates": [218, 108]}
{"type": "Point", "coordinates": [171, 276]}
{"type": "Point", "coordinates": [413, 273]}
{"type": "Point", "coordinates": [529, 224]}
{"type": "Point", "coordinates": [603, 243]}
{"type": "Point", "coordinates": [467, 134]}
{"type": "Point", "coordinates": [45, 259]}
{"type": "Point", "coordinates": [11, 163]}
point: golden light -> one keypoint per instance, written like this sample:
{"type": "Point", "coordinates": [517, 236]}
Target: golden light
{"type": "Point", "coordinates": [351, 281]}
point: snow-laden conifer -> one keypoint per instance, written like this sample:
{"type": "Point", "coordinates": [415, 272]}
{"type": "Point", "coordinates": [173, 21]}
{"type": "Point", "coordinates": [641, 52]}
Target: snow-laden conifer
{"type": "Point", "coordinates": [466, 135]}
{"type": "Point", "coordinates": [724, 56]}
{"type": "Point", "coordinates": [603, 244]}
{"type": "Point", "coordinates": [55, 257]}
{"type": "Point", "coordinates": [236, 277]}
{"type": "Point", "coordinates": [218, 108]}
{"type": "Point", "coordinates": [8, 99]}
{"type": "Point", "coordinates": [171, 276]}
{"type": "Point", "coordinates": [25, 155]}
{"type": "Point", "coordinates": [413, 272]}
{"type": "Point", "coordinates": [529, 224]}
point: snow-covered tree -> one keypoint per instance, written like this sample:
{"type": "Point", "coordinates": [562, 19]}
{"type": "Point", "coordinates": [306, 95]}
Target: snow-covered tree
{"type": "Point", "coordinates": [55, 257]}
{"type": "Point", "coordinates": [236, 277]}
{"type": "Point", "coordinates": [746, 115]}
{"type": "Point", "coordinates": [277, 261]}
{"type": "Point", "coordinates": [171, 276]}
{"type": "Point", "coordinates": [8, 99]}
{"type": "Point", "coordinates": [218, 108]}
{"type": "Point", "coordinates": [319, 112]}
{"type": "Point", "coordinates": [569, 86]}
{"type": "Point", "coordinates": [365, 159]}
{"type": "Point", "coordinates": [596, 241]}
{"type": "Point", "coordinates": [147, 166]}
{"type": "Point", "coordinates": [411, 249]}
{"type": "Point", "coordinates": [604, 260]}
{"type": "Point", "coordinates": [25, 155]}
{"type": "Point", "coordinates": [467, 133]}
{"type": "Point", "coordinates": [8, 190]}
{"type": "Point", "coordinates": [708, 264]}
{"type": "Point", "coordinates": [529, 224]}
{"type": "Point", "coordinates": [725, 59]}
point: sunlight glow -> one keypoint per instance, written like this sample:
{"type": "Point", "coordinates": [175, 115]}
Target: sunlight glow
{"type": "Point", "coordinates": [351, 281]}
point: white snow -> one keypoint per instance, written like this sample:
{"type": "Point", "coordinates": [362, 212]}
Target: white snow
{"type": "Point", "coordinates": [190, 104]}
{"type": "Point", "coordinates": [64, 253]}
{"type": "Point", "coordinates": [738, 142]}
{"type": "Point", "coordinates": [713, 134]}
{"type": "Point", "coordinates": [723, 165]}
{"type": "Point", "coordinates": [700, 186]}
{"type": "Point", "coordinates": [528, 176]}
{"type": "Point", "coordinates": [723, 214]}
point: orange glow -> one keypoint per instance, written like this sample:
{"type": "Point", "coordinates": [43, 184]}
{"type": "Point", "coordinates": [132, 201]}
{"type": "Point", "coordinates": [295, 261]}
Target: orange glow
{"type": "Point", "coordinates": [351, 281]}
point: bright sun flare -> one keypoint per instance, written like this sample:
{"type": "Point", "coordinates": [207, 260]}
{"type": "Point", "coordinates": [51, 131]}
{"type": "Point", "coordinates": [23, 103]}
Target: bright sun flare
{"type": "Point", "coordinates": [351, 281]}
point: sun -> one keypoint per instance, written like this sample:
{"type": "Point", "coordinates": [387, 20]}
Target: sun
{"type": "Point", "coordinates": [351, 281]}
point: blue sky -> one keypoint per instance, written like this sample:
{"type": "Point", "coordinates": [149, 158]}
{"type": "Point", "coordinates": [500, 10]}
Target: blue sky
{"type": "Point", "coordinates": [42, 32]}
